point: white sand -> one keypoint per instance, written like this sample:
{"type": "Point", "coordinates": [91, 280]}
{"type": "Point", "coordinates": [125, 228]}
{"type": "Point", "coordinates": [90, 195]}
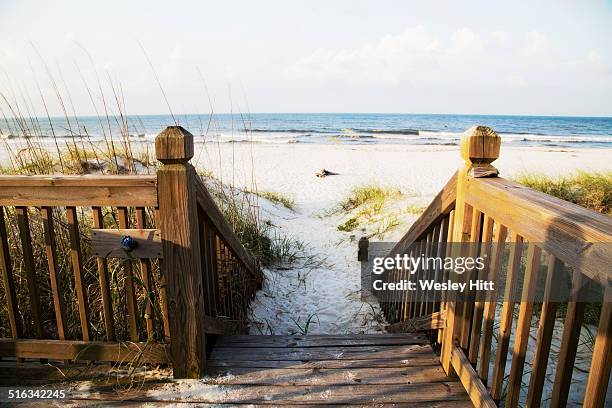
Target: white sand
{"type": "Point", "coordinates": [329, 293]}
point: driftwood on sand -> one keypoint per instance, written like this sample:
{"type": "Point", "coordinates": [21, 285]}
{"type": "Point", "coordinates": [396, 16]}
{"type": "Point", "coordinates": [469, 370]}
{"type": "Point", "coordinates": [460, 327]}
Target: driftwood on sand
{"type": "Point", "coordinates": [323, 173]}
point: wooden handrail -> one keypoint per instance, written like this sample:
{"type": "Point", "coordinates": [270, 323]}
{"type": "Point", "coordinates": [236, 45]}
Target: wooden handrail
{"type": "Point", "coordinates": [479, 208]}
{"type": "Point", "coordinates": [441, 205]}
{"type": "Point", "coordinates": [208, 205]}
{"type": "Point", "coordinates": [571, 233]}
{"type": "Point", "coordinates": [79, 191]}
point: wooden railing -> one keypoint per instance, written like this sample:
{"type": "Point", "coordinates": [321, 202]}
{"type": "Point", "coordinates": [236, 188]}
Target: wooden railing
{"type": "Point", "coordinates": [72, 294]}
{"type": "Point", "coordinates": [478, 207]}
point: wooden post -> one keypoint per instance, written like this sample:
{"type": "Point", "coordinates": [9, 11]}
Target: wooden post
{"type": "Point", "coordinates": [178, 222]}
{"type": "Point", "coordinates": [479, 148]}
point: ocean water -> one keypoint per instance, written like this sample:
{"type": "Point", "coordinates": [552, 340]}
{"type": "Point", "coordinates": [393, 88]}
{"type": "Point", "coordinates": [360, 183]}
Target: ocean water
{"type": "Point", "coordinates": [334, 128]}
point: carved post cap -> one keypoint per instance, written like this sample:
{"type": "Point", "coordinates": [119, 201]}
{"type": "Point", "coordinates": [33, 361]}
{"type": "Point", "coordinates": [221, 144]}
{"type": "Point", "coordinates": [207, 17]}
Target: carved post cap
{"type": "Point", "coordinates": [174, 145]}
{"type": "Point", "coordinates": [479, 148]}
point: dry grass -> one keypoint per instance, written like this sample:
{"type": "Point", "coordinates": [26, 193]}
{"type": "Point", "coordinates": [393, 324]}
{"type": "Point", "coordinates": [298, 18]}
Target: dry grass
{"type": "Point", "coordinates": [590, 190]}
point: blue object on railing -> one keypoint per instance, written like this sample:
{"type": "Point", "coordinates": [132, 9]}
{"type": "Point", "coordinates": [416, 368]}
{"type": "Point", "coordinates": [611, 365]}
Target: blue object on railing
{"type": "Point", "coordinates": [128, 244]}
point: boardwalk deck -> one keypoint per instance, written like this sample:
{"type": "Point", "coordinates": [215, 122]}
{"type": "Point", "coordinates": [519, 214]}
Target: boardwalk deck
{"type": "Point", "coordinates": [356, 370]}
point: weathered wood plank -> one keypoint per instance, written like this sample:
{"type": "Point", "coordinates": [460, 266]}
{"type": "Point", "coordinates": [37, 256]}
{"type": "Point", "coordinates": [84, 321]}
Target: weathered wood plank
{"type": "Point", "coordinates": [105, 293]}
{"type": "Point", "coordinates": [76, 257]}
{"type": "Point", "coordinates": [128, 274]}
{"type": "Point", "coordinates": [81, 191]}
{"type": "Point", "coordinates": [51, 251]}
{"type": "Point", "coordinates": [316, 376]}
{"type": "Point", "coordinates": [407, 361]}
{"type": "Point", "coordinates": [128, 403]}
{"type": "Point", "coordinates": [154, 353]}
{"type": "Point", "coordinates": [6, 268]}
{"type": "Point", "coordinates": [349, 394]}
{"type": "Point", "coordinates": [479, 395]}
{"type": "Point", "coordinates": [23, 221]}
{"type": "Point", "coordinates": [319, 353]}
{"type": "Point", "coordinates": [146, 272]}
{"type": "Point", "coordinates": [433, 321]}
{"type": "Point", "coordinates": [318, 341]}
{"type": "Point", "coordinates": [106, 243]}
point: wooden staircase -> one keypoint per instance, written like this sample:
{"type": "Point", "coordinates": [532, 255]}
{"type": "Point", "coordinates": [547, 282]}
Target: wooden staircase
{"type": "Point", "coordinates": [381, 369]}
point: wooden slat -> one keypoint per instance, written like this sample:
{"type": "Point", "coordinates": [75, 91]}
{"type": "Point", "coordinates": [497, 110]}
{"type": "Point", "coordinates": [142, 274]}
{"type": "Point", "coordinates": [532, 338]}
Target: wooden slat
{"type": "Point", "coordinates": [250, 341]}
{"type": "Point", "coordinates": [154, 353]}
{"type": "Point", "coordinates": [146, 272]}
{"type": "Point", "coordinates": [412, 395]}
{"type": "Point", "coordinates": [546, 325]}
{"type": "Point", "coordinates": [489, 307]}
{"type": "Point", "coordinates": [315, 376]}
{"type": "Point", "coordinates": [433, 321]}
{"type": "Point", "coordinates": [505, 325]}
{"type": "Point", "coordinates": [163, 299]}
{"type": "Point", "coordinates": [77, 268]}
{"type": "Point", "coordinates": [468, 305]}
{"type": "Point", "coordinates": [469, 379]}
{"type": "Point", "coordinates": [82, 191]}
{"type": "Point", "coordinates": [441, 205]}
{"type": "Point", "coordinates": [601, 362]}
{"type": "Point", "coordinates": [320, 353]}
{"type": "Point", "coordinates": [106, 243]}
{"type": "Point", "coordinates": [7, 279]}
{"type": "Point", "coordinates": [105, 293]}
{"type": "Point", "coordinates": [578, 236]}
{"type": "Point", "coordinates": [521, 338]}
{"type": "Point", "coordinates": [487, 236]}
{"type": "Point", "coordinates": [56, 290]}
{"type": "Point", "coordinates": [207, 279]}
{"type": "Point", "coordinates": [569, 345]}
{"type": "Point", "coordinates": [206, 202]}
{"type": "Point", "coordinates": [23, 221]}
{"type": "Point", "coordinates": [128, 273]}
{"type": "Point", "coordinates": [418, 360]}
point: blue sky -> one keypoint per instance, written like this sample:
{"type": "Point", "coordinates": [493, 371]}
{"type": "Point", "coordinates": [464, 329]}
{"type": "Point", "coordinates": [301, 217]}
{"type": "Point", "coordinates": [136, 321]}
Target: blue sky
{"type": "Point", "coordinates": [519, 57]}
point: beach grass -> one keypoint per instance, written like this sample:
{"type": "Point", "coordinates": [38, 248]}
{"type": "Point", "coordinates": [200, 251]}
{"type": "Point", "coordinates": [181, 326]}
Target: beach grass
{"type": "Point", "coordinates": [592, 190]}
{"type": "Point", "coordinates": [368, 206]}
{"type": "Point", "coordinates": [277, 198]}
{"type": "Point", "coordinates": [372, 194]}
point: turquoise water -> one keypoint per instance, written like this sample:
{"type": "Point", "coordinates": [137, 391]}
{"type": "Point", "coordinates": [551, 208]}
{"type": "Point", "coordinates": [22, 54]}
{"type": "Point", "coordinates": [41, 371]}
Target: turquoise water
{"type": "Point", "coordinates": [419, 129]}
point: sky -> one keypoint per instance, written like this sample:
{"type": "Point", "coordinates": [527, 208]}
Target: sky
{"type": "Point", "coordinates": [476, 57]}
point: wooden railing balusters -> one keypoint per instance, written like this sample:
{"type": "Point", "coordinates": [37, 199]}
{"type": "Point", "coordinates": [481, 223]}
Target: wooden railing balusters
{"type": "Point", "coordinates": [23, 221]}
{"type": "Point", "coordinates": [147, 279]}
{"type": "Point", "coordinates": [77, 269]}
{"type": "Point", "coordinates": [546, 325]}
{"type": "Point", "coordinates": [521, 338]}
{"type": "Point", "coordinates": [495, 268]}
{"type": "Point", "coordinates": [487, 236]}
{"type": "Point", "coordinates": [128, 277]}
{"type": "Point", "coordinates": [507, 313]}
{"type": "Point", "coordinates": [105, 292]}
{"type": "Point", "coordinates": [569, 343]}
{"type": "Point", "coordinates": [7, 279]}
{"type": "Point", "coordinates": [51, 251]}
{"type": "Point", "coordinates": [601, 360]}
